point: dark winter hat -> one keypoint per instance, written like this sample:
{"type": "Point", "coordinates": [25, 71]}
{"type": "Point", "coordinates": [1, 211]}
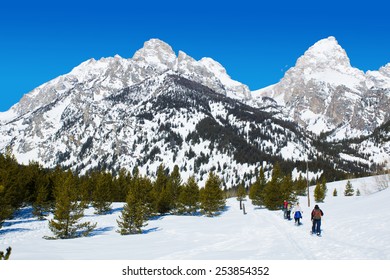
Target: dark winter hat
{"type": "Point", "coordinates": [316, 207]}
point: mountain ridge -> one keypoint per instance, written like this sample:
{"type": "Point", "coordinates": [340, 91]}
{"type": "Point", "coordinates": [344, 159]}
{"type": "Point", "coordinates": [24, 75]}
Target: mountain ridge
{"type": "Point", "coordinates": [159, 107]}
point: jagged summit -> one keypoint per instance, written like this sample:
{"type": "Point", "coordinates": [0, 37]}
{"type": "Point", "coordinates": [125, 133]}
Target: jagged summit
{"type": "Point", "coordinates": [325, 53]}
{"type": "Point", "coordinates": [101, 78]}
{"type": "Point", "coordinates": [156, 52]}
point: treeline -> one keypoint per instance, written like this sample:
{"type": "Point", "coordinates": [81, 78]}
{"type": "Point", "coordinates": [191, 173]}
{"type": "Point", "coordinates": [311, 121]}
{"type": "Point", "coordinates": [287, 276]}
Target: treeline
{"type": "Point", "coordinates": [271, 193]}
{"type": "Point", "coordinates": [67, 195]}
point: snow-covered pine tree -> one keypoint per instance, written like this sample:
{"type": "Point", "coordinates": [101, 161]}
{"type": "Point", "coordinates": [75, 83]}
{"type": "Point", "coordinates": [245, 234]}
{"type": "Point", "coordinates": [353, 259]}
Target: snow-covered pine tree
{"type": "Point", "coordinates": [335, 192]}
{"type": "Point", "coordinates": [349, 191]}
{"type": "Point", "coordinates": [211, 196]}
{"type": "Point", "coordinates": [68, 210]}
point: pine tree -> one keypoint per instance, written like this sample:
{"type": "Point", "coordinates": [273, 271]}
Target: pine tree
{"type": "Point", "coordinates": [324, 188]}
{"type": "Point", "coordinates": [357, 192]}
{"type": "Point", "coordinates": [134, 212]}
{"type": "Point", "coordinates": [41, 204]}
{"type": "Point", "coordinates": [300, 186]}
{"type": "Point", "coordinates": [68, 210]}
{"type": "Point", "coordinates": [241, 192]}
{"type": "Point", "coordinates": [102, 198]}
{"type": "Point", "coordinates": [319, 195]}
{"type": "Point", "coordinates": [160, 192]}
{"type": "Point", "coordinates": [211, 196]}
{"type": "Point", "coordinates": [335, 192]}
{"type": "Point", "coordinates": [273, 194]}
{"type": "Point", "coordinates": [256, 191]}
{"type": "Point", "coordinates": [121, 185]}
{"type": "Point", "coordinates": [287, 189]}
{"type": "Point", "coordinates": [175, 183]}
{"type": "Point", "coordinates": [189, 197]}
{"type": "Point", "coordinates": [349, 191]}
{"type": "Point", "coordinates": [5, 207]}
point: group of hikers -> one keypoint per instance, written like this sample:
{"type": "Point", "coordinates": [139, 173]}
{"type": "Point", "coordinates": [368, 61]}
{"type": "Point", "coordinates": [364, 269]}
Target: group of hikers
{"type": "Point", "coordinates": [296, 210]}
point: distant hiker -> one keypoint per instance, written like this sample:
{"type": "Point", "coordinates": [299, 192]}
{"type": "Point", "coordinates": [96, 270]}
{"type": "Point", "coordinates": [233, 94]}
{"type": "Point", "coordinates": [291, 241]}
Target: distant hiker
{"type": "Point", "coordinates": [288, 211]}
{"type": "Point", "coordinates": [316, 215]}
{"type": "Point", "coordinates": [285, 204]}
{"type": "Point", "coordinates": [297, 214]}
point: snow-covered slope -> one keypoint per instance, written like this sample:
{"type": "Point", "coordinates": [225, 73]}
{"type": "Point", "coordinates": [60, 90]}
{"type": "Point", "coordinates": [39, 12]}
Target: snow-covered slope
{"type": "Point", "coordinates": [354, 228]}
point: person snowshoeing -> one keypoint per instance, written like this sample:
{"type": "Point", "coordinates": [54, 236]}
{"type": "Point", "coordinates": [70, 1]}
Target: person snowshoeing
{"type": "Point", "coordinates": [316, 215]}
{"type": "Point", "coordinates": [285, 204]}
{"type": "Point", "coordinates": [297, 214]}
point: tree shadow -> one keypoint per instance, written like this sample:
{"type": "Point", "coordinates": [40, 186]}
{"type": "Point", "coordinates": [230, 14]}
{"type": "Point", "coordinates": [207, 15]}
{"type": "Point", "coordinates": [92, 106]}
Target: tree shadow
{"type": "Point", "coordinates": [13, 230]}
{"type": "Point", "coordinates": [115, 210]}
{"type": "Point", "coordinates": [101, 230]}
{"type": "Point", "coordinates": [156, 218]}
{"type": "Point", "coordinates": [147, 231]}
{"type": "Point", "coordinates": [24, 213]}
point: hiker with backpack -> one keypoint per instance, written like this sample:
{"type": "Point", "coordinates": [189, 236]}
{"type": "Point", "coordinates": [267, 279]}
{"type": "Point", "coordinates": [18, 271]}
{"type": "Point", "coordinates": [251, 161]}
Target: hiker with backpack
{"type": "Point", "coordinates": [316, 215]}
{"type": "Point", "coordinates": [297, 211]}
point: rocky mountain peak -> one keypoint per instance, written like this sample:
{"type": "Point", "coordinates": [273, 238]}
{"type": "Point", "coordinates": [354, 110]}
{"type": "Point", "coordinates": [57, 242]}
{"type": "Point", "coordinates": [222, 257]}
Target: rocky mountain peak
{"type": "Point", "coordinates": [156, 53]}
{"type": "Point", "coordinates": [325, 53]}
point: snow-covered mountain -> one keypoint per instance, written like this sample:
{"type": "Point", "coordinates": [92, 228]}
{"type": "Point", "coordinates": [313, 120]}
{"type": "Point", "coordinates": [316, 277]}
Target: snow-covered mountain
{"type": "Point", "coordinates": [324, 93]}
{"type": "Point", "coordinates": [159, 107]}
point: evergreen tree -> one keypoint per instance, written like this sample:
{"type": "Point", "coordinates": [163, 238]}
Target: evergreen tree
{"type": "Point", "coordinates": [102, 199]}
{"type": "Point", "coordinates": [68, 210]}
{"type": "Point", "coordinates": [134, 212]}
{"type": "Point", "coordinates": [121, 185]}
{"type": "Point", "coordinates": [287, 189]}
{"type": "Point", "coordinates": [189, 197]}
{"type": "Point", "coordinates": [241, 192]}
{"type": "Point", "coordinates": [211, 196]}
{"type": "Point", "coordinates": [273, 193]}
{"type": "Point", "coordinates": [175, 183]}
{"type": "Point", "coordinates": [335, 192]}
{"type": "Point", "coordinates": [162, 192]}
{"type": "Point", "coordinates": [256, 191]}
{"type": "Point", "coordinates": [41, 204]}
{"type": "Point", "coordinates": [5, 207]}
{"type": "Point", "coordinates": [357, 192]}
{"type": "Point", "coordinates": [300, 186]}
{"type": "Point", "coordinates": [324, 187]}
{"type": "Point", "coordinates": [349, 191]}
{"type": "Point", "coordinates": [319, 194]}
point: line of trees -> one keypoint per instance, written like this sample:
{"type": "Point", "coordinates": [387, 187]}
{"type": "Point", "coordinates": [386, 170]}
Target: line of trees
{"type": "Point", "coordinates": [67, 195]}
{"type": "Point", "coordinates": [272, 193]}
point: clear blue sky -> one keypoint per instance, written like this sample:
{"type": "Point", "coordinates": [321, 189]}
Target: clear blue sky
{"type": "Point", "coordinates": [256, 41]}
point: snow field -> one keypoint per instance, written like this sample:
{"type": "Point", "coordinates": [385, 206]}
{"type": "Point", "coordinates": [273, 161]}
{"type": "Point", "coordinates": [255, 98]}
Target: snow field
{"type": "Point", "coordinates": [354, 228]}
